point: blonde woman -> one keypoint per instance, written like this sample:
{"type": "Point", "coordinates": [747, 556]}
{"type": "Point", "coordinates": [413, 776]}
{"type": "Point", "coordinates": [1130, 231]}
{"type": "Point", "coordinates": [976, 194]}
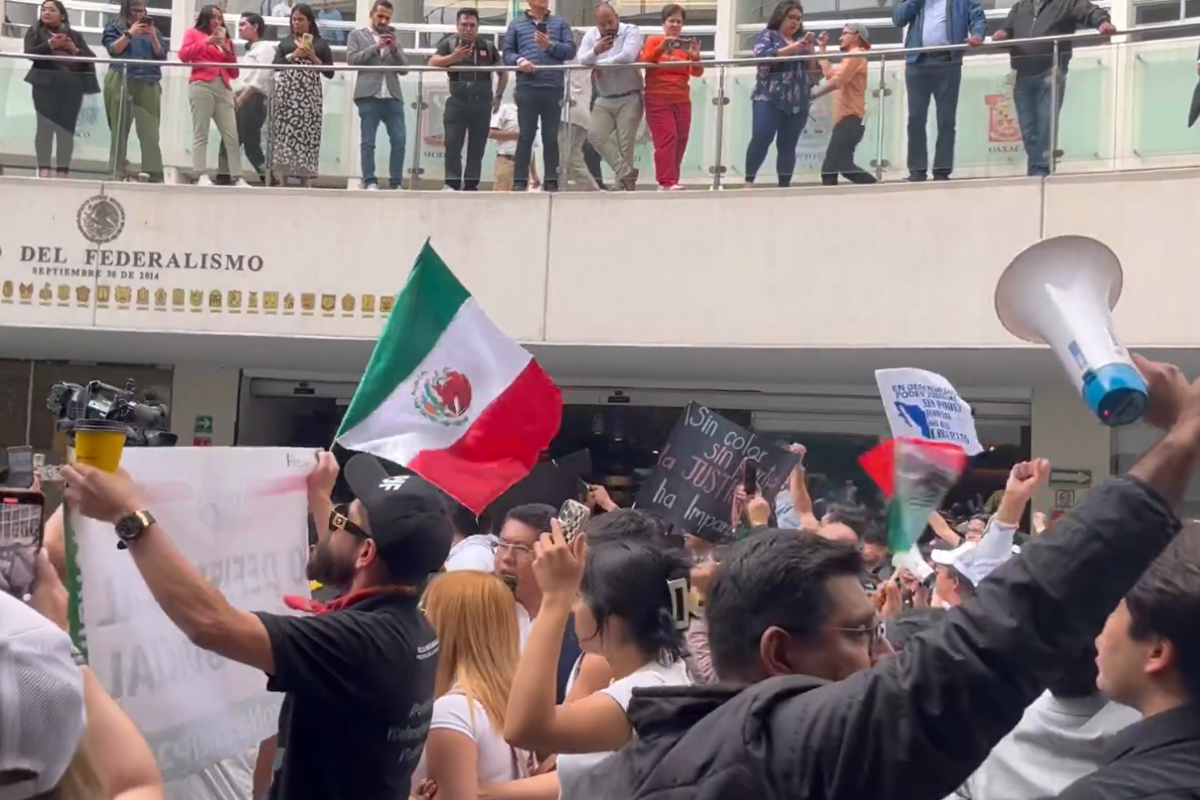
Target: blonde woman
{"type": "Point", "coordinates": [475, 617]}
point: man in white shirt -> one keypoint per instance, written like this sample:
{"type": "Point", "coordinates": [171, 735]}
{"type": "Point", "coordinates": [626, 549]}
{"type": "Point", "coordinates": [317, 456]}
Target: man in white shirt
{"type": "Point", "coordinates": [505, 131]}
{"type": "Point", "coordinates": [252, 95]}
{"type": "Point", "coordinates": [617, 114]}
{"type": "Point", "coordinates": [574, 133]}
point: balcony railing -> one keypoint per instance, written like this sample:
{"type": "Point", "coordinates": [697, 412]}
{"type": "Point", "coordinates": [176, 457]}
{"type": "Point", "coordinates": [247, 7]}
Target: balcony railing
{"type": "Point", "coordinates": [1124, 106]}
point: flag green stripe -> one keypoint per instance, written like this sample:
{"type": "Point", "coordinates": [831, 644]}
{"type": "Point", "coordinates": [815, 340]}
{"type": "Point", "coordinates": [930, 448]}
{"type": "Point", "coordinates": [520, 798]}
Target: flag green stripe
{"type": "Point", "coordinates": [424, 309]}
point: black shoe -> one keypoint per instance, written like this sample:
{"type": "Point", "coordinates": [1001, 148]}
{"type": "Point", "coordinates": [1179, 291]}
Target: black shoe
{"type": "Point", "coordinates": [941, 176]}
{"type": "Point", "coordinates": [550, 186]}
{"type": "Point", "coordinates": [519, 187]}
{"type": "Point", "coordinates": [916, 177]}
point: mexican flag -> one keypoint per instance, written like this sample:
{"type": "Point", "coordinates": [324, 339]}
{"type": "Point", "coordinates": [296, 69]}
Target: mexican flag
{"type": "Point", "coordinates": [448, 395]}
{"type": "Point", "coordinates": [915, 476]}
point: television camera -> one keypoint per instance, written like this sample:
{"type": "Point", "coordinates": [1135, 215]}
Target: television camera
{"type": "Point", "coordinates": [145, 421]}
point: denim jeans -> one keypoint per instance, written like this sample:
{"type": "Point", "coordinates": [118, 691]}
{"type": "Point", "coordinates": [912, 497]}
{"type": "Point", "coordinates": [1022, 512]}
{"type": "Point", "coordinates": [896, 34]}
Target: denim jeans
{"type": "Point", "coordinates": [767, 123]}
{"type": "Point", "coordinates": [371, 112]}
{"type": "Point", "coordinates": [1031, 96]}
{"type": "Point", "coordinates": [537, 105]}
{"type": "Point", "coordinates": [939, 81]}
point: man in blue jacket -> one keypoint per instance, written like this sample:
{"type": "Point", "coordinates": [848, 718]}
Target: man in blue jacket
{"type": "Point", "coordinates": [935, 75]}
{"type": "Point", "coordinates": [533, 40]}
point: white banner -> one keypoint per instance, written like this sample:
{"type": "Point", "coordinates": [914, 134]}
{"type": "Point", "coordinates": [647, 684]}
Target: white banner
{"type": "Point", "coordinates": [239, 515]}
{"type": "Point", "coordinates": [923, 405]}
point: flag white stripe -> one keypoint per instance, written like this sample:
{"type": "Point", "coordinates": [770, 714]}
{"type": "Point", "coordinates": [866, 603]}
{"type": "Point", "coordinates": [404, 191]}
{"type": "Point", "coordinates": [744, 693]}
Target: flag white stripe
{"type": "Point", "coordinates": [472, 345]}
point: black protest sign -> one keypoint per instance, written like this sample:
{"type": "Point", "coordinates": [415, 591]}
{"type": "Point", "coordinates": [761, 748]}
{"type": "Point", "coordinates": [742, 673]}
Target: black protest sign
{"type": "Point", "coordinates": [701, 467]}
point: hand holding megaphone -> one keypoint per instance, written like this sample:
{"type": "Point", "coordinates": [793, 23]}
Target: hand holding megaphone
{"type": "Point", "coordinates": [1171, 396]}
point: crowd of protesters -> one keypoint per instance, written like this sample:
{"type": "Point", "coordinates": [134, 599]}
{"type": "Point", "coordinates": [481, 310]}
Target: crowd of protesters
{"type": "Point", "coordinates": [632, 82]}
{"type": "Point", "coordinates": [517, 661]}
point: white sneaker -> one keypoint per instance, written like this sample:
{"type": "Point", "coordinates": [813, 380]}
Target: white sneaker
{"type": "Point", "coordinates": [204, 180]}
{"type": "Point", "coordinates": [241, 184]}
{"type": "Point", "coordinates": [371, 187]}
{"type": "Point", "coordinates": [676, 188]}
{"type": "Point", "coordinates": [449, 189]}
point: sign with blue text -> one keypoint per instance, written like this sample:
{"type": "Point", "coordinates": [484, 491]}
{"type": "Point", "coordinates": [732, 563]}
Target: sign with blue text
{"type": "Point", "coordinates": [923, 405]}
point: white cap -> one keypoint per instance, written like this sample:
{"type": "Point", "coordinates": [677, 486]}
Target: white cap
{"type": "Point", "coordinates": [976, 560]}
{"type": "Point", "coordinates": [911, 560]}
{"type": "Point", "coordinates": [41, 700]}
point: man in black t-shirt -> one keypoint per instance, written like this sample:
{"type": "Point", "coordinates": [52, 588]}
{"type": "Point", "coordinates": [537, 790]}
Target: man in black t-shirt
{"type": "Point", "coordinates": [472, 102]}
{"type": "Point", "coordinates": [359, 673]}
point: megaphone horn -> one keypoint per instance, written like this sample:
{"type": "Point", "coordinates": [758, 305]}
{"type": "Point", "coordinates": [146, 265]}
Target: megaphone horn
{"type": "Point", "coordinates": [1061, 291]}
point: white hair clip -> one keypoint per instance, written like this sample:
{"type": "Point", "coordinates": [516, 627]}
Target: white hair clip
{"type": "Point", "coordinates": [681, 602]}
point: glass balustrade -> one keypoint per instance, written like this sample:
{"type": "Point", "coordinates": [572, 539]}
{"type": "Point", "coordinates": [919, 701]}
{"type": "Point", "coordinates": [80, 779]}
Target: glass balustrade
{"type": "Point", "coordinates": [1124, 105]}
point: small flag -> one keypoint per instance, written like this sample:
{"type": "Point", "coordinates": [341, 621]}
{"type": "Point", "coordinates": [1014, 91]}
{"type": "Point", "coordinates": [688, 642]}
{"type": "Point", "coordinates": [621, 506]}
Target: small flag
{"type": "Point", "coordinates": [449, 395]}
{"type": "Point", "coordinates": [915, 475]}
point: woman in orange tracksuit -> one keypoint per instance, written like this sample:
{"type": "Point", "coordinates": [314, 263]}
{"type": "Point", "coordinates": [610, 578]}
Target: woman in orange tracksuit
{"type": "Point", "coordinates": [668, 97]}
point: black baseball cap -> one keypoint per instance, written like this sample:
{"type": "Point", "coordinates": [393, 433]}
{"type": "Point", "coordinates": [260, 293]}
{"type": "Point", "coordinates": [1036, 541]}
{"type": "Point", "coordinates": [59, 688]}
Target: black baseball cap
{"type": "Point", "coordinates": [407, 516]}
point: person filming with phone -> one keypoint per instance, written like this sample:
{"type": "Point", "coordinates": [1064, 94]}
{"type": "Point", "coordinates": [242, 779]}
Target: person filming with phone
{"type": "Point", "coordinates": [210, 91]}
{"type": "Point", "coordinates": [472, 100]}
{"type": "Point", "coordinates": [133, 93]}
{"type": "Point", "coordinates": [58, 86]}
{"type": "Point", "coordinates": [668, 94]}
{"type": "Point", "coordinates": [538, 39]}
{"type": "Point", "coordinates": [297, 102]}
{"type": "Point", "coordinates": [378, 93]}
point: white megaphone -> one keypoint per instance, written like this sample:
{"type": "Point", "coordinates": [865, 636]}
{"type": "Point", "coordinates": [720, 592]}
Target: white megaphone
{"type": "Point", "coordinates": [1060, 291]}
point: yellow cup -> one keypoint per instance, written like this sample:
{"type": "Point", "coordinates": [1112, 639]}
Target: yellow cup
{"type": "Point", "coordinates": [99, 443]}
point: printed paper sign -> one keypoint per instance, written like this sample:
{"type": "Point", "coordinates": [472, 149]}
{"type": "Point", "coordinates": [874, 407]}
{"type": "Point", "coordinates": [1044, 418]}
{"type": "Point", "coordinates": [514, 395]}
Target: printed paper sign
{"type": "Point", "coordinates": [702, 465]}
{"type": "Point", "coordinates": [240, 516]}
{"type": "Point", "coordinates": [923, 405]}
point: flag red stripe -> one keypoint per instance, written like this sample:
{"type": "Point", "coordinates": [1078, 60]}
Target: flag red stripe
{"type": "Point", "coordinates": [501, 446]}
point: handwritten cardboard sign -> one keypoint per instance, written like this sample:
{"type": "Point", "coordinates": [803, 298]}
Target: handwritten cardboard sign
{"type": "Point", "coordinates": [701, 467]}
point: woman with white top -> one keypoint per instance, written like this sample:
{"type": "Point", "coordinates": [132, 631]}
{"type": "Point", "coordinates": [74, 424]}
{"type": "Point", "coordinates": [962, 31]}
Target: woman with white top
{"type": "Point", "coordinates": [619, 592]}
{"type": "Point", "coordinates": [475, 617]}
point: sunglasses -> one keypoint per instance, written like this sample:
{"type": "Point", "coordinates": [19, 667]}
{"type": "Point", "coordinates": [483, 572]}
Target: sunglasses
{"type": "Point", "coordinates": [340, 521]}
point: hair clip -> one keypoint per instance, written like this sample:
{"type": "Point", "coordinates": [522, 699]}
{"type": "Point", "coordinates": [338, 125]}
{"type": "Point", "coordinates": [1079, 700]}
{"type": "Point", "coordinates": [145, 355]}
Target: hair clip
{"type": "Point", "coordinates": [681, 602]}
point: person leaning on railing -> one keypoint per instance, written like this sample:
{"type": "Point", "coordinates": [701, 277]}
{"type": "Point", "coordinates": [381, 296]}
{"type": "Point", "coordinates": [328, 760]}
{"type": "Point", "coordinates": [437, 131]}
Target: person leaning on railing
{"type": "Point", "coordinates": [668, 95]}
{"type": "Point", "coordinates": [133, 93]}
{"type": "Point", "coordinates": [298, 101]}
{"type": "Point", "coordinates": [210, 92]}
{"type": "Point", "coordinates": [58, 86]}
{"type": "Point", "coordinates": [1035, 68]}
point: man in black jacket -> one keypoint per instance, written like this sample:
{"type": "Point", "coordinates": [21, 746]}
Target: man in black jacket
{"type": "Point", "coordinates": [1035, 90]}
{"type": "Point", "coordinates": [1149, 657]}
{"type": "Point", "coordinates": [914, 726]}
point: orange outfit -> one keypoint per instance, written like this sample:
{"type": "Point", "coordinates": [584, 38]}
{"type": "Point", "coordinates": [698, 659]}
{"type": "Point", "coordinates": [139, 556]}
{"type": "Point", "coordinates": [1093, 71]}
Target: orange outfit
{"type": "Point", "coordinates": [850, 78]}
{"type": "Point", "coordinates": [668, 83]}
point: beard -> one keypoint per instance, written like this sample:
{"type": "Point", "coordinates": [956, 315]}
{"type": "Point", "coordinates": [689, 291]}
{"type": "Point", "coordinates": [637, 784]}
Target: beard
{"type": "Point", "coordinates": [327, 567]}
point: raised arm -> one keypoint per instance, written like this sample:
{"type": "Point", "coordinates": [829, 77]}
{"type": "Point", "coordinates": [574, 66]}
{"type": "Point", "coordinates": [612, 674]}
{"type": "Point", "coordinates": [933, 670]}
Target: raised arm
{"type": "Point", "coordinates": [361, 50]}
{"type": "Point", "coordinates": [587, 47]}
{"type": "Point", "coordinates": [919, 723]}
{"type": "Point", "coordinates": [906, 12]}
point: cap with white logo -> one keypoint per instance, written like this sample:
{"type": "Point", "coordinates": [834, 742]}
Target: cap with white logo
{"type": "Point", "coordinates": [407, 517]}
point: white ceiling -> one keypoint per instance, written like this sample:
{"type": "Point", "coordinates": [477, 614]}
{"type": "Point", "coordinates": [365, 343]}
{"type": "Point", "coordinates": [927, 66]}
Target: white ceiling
{"type": "Point", "coordinates": [661, 366]}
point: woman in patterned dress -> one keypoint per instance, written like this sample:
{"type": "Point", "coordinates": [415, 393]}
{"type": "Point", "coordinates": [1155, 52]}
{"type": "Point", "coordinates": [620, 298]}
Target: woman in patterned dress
{"type": "Point", "coordinates": [296, 102]}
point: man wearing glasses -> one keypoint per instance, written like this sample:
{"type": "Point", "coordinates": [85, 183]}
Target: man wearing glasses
{"type": "Point", "coordinates": [514, 565]}
{"type": "Point", "coordinates": [363, 665]}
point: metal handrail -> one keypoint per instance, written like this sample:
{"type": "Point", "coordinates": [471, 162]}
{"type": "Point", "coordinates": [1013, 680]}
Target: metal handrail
{"type": "Point", "coordinates": [989, 46]}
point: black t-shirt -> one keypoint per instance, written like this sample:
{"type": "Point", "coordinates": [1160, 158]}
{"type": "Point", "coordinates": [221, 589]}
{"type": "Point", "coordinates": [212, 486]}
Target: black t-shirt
{"type": "Point", "coordinates": [359, 686]}
{"type": "Point", "coordinates": [483, 54]}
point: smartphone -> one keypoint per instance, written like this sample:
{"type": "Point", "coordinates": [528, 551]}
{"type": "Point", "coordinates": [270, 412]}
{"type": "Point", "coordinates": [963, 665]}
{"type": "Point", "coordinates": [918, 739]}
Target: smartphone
{"type": "Point", "coordinates": [22, 525]}
{"type": "Point", "coordinates": [681, 44]}
{"type": "Point", "coordinates": [571, 516]}
{"type": "Point", "coordinates": [20, 467]}
{"type": "Point", "coordinates": [750, 481]}
{"type": "Point", "coordinates": [222, 33]}
{"type": "Point", "coordinates": [541, 27]}
{"type": "Point", "coordinates": [306, 39]}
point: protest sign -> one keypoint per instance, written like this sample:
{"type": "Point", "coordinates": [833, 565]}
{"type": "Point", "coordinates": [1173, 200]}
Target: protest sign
{"type": "Point", "coordinates": [239, 515]}
{"type": "Point", "coordinates": [923, 405]}
{"type": "Point", "coordinates": [702, 465]}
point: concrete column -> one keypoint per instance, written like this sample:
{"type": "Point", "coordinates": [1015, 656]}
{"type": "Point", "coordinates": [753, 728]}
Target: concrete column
{"type": "Point", "coordinates": [200, 392]}
{"type": "Point", "coordinates": [1065, 432]}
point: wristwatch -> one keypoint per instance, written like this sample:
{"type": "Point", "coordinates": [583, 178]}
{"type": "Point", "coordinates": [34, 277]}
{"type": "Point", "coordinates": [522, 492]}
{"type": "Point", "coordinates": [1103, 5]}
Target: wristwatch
{"type": "Point", "coordinates": [131, 526]}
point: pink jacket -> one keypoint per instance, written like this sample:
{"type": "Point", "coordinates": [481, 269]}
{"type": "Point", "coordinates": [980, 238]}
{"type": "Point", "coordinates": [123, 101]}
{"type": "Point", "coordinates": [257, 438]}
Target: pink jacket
{"type": "Point", "coordinates": [196, 49]}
